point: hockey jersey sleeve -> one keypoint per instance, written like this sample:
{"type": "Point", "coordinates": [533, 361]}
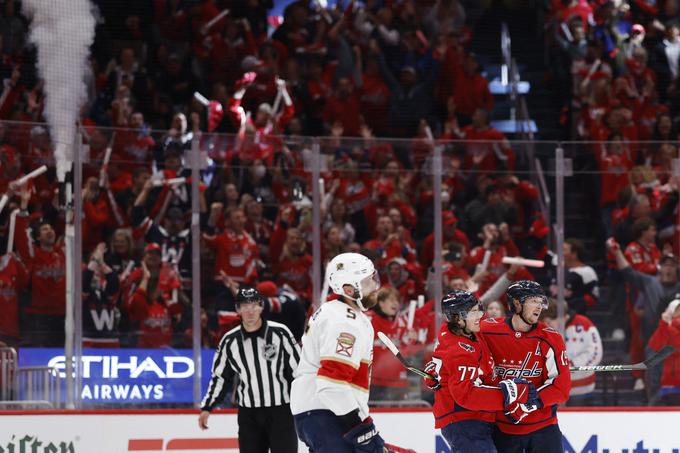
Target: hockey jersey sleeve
{"type": "Point", "coordinates": [556, 387]}
{"type": "Point", "coordinates": [465, 383]}
{"type": "Point", "coordinates": [291, 349]}
{"type": "Point", "coordinates": [222, 373]}
{"type": "Point", "coordinates": [341, 364]}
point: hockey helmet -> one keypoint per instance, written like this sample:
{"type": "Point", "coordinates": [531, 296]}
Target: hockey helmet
{"type": "Point", "coordinates": [248, 295]}
{"type": "Point", "coordinates": [458, 303]}
{"type": "Point", "coordinates": [525, 289]}
{"type": "Point", "coordinates": [352, 269]}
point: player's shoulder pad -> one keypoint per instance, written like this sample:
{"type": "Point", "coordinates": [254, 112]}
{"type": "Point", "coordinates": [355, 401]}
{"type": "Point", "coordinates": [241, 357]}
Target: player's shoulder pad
{"type": "Point", "coordinates": [549, 330]}
{"type": "Point", "coordinates": [493, 325]}
{"type": "Point", "coordinates": [491, 320]}
{"type": "Point", "coordinates": [549, 334]}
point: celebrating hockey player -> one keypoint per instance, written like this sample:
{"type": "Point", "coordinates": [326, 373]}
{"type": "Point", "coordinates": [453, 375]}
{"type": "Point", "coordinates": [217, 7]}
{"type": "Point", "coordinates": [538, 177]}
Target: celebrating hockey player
{"type": "Point", "coordinates": [465, 403]}
{"type": "Point", "coordinates": [329, 396]}
{"type": "Point", "coordinates": [524, 348]}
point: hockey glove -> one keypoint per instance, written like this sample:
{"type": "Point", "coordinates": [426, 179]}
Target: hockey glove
{"type": "Point", "coordinates": [365, 437]}
{"type": "Point", "coordinates": [516, 391]}
{"type": "Point", "coordinates": [516, 412]}
{"type": "Point", "coordinates": [431, 369]}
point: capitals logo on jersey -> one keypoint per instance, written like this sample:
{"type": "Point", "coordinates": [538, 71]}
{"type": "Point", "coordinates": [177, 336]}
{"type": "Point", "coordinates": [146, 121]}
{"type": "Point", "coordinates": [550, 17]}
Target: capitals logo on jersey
{"type": "Point", "coordinates": [467, 347]}
{"type": "Point", "coordinates": [509, 369]}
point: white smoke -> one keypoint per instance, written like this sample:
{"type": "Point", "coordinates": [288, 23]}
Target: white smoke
{"type": "Point", "coordinates": [63, 31]}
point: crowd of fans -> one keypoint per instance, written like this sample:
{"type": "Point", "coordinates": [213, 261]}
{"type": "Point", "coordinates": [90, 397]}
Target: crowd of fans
{"type": "Point", "coordinates": [349, 74]}
{"type": "Point", "coordinates": [618, 69]}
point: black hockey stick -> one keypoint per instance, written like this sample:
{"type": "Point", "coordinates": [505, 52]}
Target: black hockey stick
{"type": "Point", "coordinates": [650, 362]}
{"type": "Point", "coordinates": [384, 338]}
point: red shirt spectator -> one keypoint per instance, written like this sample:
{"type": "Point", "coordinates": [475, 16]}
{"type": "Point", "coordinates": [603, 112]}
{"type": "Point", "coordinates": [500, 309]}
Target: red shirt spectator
{"type": "Point", "coordinates": [471, 91]}
{"type": "Point", "coordinates": [643, 254]}
{"type": "Point", "coordinates": [153, 301]}
{"type": "Point", "coordinates": [374, 98]}
{"type": "Point", "coordinates": [387, 371]}
{"type": "Point", "coordinates": [399, 278]}
{"type": "Point", "coordinates": [497, 249]}
{"type": "Point", "coordinates": [668, 333]}
{"type": "Point", "coordinates": [614, 164]}
{"type": "Point", "coordinates": [575, 8]}
{"type": "Point", "coordinates": [388, 244]}
{"type": "Point", "coordinates": [344, 108]}
{"type": "Point", "coordinates": [451, 234]}
{"type": "Point", "coordinates": [46, 265]}
{"type": "Point", "coordinates": [486, 148]}
{"type": "Point", "coordinates": [236, 250]}
{"type": "Point", "coordinates": [13, 278]}
{"type": "Point", "coordinates": [293, 265]}
{"type": "Point", "coordinates": [354, 189]}
{"type": "Point", "coordinates": [96, 215]}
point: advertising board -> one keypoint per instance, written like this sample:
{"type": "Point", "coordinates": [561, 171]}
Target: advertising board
{"type": "Point", "coordinates": [621, 431]}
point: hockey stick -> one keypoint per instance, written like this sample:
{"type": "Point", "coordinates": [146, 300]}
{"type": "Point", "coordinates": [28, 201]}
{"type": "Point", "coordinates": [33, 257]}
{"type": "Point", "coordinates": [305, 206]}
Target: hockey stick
{"type": "Point", "coordinates": [390, 448]}
{"type": "Point", "coordinates": [650, 362]}
{"type": "Point", "coordinates": [401, 358]}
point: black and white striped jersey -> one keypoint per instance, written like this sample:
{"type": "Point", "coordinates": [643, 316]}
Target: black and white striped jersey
{"type": "Point", "coordinates": [263, 361]}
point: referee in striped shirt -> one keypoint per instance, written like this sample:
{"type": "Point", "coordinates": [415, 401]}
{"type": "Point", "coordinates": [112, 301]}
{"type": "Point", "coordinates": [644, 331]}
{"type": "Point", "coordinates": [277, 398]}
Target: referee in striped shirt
{"type": "Point", "coordinates": [263, 355]}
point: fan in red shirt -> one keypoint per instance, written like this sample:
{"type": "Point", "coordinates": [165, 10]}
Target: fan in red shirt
{"type": "Point", "coordinates": [258, 226]}
{"type": "Point", "coordinates": [153, 303]}
{"type": "Point", "coordinates": [267, 122]}
{"type": "Point", "coordinates": [136, 143]}
{"type": "Point", "coordinates": [237, 253]}
{"type": "Point", "coordinates": [614, 164]}
{"type": "Point", "coordinates": [496, 247]}
{"type": "Point", "coordinates": [388, 376]}
{"type": "Point", "coordinates": [46, 265]}
{"type": "Point", "coordinates": [399, 277]}
{"type": "Point", "coordinates": [566, 11]}
{"type": "Point", "coordinates": [354, 189]}
{"type": "Point", "coordinates": [643, 254]}
{"type": "Point", "coordinates": [466, 399]}
{"type": "Point", "coordinates": [486, 149]}
{"type": "Point", "coordinates": [344, 107]}
{"type": "Point", "coordinates": [668, 333]}
{"type": "Point", "coordinates": [13, 278]}
{"type": "Point", "coordinates": [450, 234]}
{"type": "Point", "coordinates": [293, 265]}
{"type": "Point", "coordinates": [471, 89]}
{"type": "Point", "coordinates": [97, 214]}
{"type": "Point", "coordinates": [388, 244]}
{"type": "Point", "coordinates": [374, 98]}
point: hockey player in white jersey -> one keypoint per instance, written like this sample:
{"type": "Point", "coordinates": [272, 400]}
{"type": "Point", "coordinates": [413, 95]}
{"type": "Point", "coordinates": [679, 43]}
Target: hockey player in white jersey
{"type": "Point", "coordinates": [329, 395]}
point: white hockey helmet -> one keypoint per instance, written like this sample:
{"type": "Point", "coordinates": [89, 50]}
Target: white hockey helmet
{"type": "Point", "coordinates": [352, 269]}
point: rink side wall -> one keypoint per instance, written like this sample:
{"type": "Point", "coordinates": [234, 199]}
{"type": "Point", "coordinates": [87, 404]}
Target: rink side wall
{"type": "Point", "coordinates": [585, 430]}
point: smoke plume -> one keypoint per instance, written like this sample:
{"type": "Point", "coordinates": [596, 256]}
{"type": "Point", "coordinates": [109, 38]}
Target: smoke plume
{"type": "Point", "coordinates": [63, 31]}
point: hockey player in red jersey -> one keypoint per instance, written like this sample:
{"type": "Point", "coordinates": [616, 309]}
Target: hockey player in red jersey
{"type": "Point", "coordinates": [525, 348]}
{"type": "Point", "coordinates": [466, 400]}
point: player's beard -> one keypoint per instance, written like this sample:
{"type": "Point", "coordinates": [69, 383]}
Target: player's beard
{"type": "Point", "coordinates": [367, 302]}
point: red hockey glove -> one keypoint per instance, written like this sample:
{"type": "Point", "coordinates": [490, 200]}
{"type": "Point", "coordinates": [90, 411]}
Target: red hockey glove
{"type": "Point", "coordinates": [431, 369]}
